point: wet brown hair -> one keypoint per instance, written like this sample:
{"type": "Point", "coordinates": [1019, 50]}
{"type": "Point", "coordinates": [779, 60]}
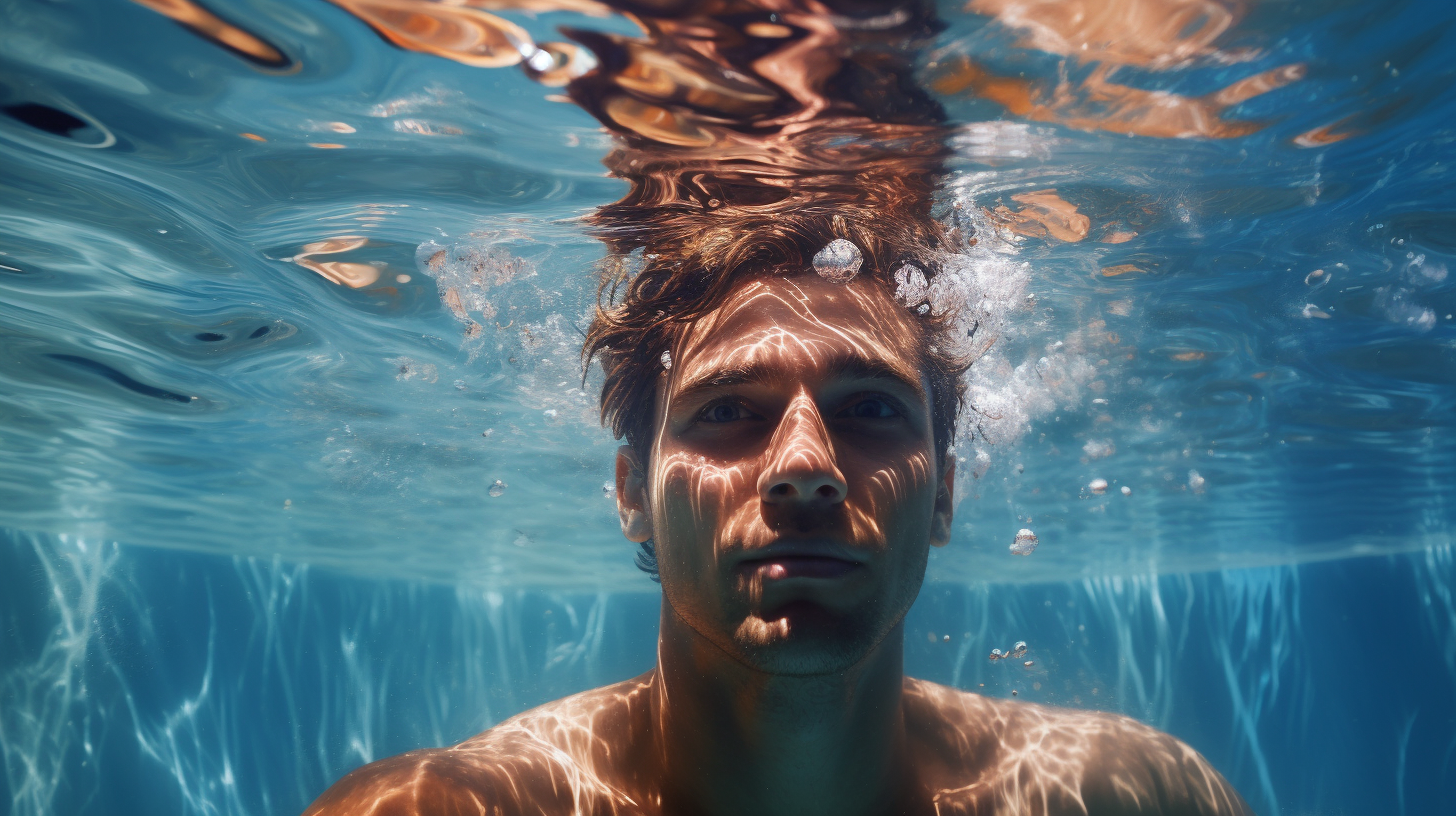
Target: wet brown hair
{"type": "Point", "coordinates": [693, 258]}
{"type": "Point", "coordinates": [738, 175]}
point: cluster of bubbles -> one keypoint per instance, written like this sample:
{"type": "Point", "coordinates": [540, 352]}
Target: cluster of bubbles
{"type": "Point", "coordinates": [1016, 652]}
{"type": "Point", "coordinates": [839, 261]}
{"type": "Point", "coordinates": [1018, 376]}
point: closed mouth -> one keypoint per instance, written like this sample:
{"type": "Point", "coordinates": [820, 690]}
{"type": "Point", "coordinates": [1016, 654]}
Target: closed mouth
{"type": "Point", "coordinates": [779, 562]}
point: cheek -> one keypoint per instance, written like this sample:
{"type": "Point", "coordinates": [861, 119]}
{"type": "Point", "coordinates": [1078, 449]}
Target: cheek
{"type": "Point", "coordinates": [699, 499]}
{"type": "Point", "coordinates": [898, 495]}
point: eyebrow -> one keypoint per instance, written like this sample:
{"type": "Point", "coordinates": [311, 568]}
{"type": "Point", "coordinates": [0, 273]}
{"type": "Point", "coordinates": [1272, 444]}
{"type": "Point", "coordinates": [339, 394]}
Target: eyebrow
{"type": "Point", "coordinates": [850, 366]}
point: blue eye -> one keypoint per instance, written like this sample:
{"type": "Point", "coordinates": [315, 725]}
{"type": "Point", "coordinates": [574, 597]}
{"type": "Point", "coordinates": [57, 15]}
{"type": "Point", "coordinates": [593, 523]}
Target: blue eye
{"type": "Point", "coordinates": [870, 408]}
{"type": "Point", "coordinates": [724, 412]}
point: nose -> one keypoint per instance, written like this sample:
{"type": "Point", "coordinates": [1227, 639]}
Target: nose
{"type": "Point", "coordinates": [801, 467]}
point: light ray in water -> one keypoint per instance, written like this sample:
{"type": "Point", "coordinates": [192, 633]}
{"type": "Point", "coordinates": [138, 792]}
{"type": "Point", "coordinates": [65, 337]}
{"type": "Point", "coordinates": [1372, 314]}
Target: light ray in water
{"type": "Point", "coordinates": [106, 635]}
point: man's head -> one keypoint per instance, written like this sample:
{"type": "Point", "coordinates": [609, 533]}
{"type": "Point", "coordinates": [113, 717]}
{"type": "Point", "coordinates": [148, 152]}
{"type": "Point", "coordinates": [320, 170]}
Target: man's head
{"type": "Point", "coordinates": [786, 438]}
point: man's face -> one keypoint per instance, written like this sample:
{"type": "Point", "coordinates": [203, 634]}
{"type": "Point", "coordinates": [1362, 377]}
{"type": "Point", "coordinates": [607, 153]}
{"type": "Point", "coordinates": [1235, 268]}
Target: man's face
{"type": "Point", "coordinates": [793, 491]}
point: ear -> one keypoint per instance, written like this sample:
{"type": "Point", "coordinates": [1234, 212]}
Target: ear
{"type": "Point", "coordinates": [941, 516]}
{"type": "Point", "coordinates": [632, 496]}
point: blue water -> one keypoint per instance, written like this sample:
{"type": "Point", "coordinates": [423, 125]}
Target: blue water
{"type": "Point", "coordinates": [249, 540]}
{"type": "Point", "coordinates": [162, 682]}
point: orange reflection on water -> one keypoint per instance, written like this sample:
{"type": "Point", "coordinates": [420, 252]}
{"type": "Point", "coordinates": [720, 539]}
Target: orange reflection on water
{"type": "Point", "coordinates": [1043, 213]}
{"type": "Point", "coordinates": [1147, 33]}
{"type": "Point", "coordinates": [1112, 34]}
{"type": "Point", "coordinates": [588, 7]}
{"type": "Point", "coordinates": [214, 28]}
{"type": "Point", "coordinates": [344, 273]}
{"type": "Point", "coordinates": [460, 33]}
{"type": "Point", "coordinates": [1099, 104]}
{"type": "Point", "coordinates": [1323, 135]}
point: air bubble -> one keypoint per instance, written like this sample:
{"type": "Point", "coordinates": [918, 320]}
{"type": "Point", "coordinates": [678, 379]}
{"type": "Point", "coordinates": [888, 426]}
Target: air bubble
{"type": "Point", "coordinates": [1126, 491]}
{"type": "Point", "coordinates": [460, 385]}
{"type": "Point", "coordinates": [1025, 543]}
{"type": "Point", "coordinates": [1097, 486]}
{"type": "Point", "coordinates": [838, 261]}
{"type": "Point", "coordinates": [911, 288]}
{"type": "Point", "coordinates": [1196, 482]}
{"type": "Point", "coordinates": [609, 490]}
{"type": "Point", "coordinates": [497, 488]}
{"type": "Point", "coordinates": [1018, 649]}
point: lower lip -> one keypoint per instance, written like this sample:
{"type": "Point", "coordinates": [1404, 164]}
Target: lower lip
{"type": "Point", "coordinates": [779, 569]}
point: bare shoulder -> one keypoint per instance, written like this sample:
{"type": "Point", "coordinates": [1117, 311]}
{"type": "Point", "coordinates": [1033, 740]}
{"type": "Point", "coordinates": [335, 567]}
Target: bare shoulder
{"type": "Point", "coordinates": [1009, 756]}
{"type": "Point", "coordinates": [558, 758]}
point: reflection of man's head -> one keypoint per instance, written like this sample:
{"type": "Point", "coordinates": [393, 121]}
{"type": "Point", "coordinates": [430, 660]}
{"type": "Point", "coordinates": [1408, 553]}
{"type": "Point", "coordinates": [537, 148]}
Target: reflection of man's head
{"type": "Point", "coordinates": [786, 428]}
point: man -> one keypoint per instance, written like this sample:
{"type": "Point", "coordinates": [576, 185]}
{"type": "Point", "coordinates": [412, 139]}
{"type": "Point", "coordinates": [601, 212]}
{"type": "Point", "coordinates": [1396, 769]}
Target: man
{"type": "Point", "coordinates": [785, 368]}
{"type": "Point", "coordinates": [791, 475]}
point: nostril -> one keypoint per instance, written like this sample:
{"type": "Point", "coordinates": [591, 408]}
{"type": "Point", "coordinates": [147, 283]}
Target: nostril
{"type": "Point", "coordinates": [827, 492]}
{"type": "Point", "coordinates": [780, 490]}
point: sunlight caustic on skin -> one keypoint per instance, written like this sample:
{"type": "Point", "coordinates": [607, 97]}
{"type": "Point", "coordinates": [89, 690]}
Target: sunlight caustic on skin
{"type": "Point", "coordinates": [592, 754]}
{"type": "Point", "coordinates": [804, 330]}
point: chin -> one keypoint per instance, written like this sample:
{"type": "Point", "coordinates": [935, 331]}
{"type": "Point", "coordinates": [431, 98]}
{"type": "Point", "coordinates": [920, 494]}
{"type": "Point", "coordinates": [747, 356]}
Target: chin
{"type": "Point", "coordinates": [804, 639]}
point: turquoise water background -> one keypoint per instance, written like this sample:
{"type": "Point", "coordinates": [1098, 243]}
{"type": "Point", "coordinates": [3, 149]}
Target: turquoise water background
{"type": "Point", "coordinates": [250, 539]}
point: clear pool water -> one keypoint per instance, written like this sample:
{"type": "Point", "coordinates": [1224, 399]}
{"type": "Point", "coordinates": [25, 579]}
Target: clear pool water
{"type": "Point", "coordinates": [247, 451]}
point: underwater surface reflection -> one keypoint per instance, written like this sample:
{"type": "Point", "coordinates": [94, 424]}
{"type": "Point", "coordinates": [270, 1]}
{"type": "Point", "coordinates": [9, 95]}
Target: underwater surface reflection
{"type": "Point", "coordinates": [232, 280]}
{"type": "Point", "coordinates": [308, 284]}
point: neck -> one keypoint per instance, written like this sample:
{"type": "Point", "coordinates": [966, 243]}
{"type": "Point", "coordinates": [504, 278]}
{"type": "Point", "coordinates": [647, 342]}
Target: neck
{"type": "Point", "coordinates": [736, 740]}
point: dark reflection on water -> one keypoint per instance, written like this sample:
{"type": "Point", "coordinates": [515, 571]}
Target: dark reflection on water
{"type": "Point", "coordinates": [45, 118]}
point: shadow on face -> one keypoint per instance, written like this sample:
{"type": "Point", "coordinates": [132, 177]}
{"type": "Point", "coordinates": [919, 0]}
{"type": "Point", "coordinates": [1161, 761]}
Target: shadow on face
{"type": "Point", "coordinates": [792, 489]}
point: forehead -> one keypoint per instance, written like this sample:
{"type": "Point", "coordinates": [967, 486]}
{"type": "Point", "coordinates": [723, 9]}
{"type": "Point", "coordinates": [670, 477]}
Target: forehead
{"type": "Point", "coordinates": [802, 321]}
